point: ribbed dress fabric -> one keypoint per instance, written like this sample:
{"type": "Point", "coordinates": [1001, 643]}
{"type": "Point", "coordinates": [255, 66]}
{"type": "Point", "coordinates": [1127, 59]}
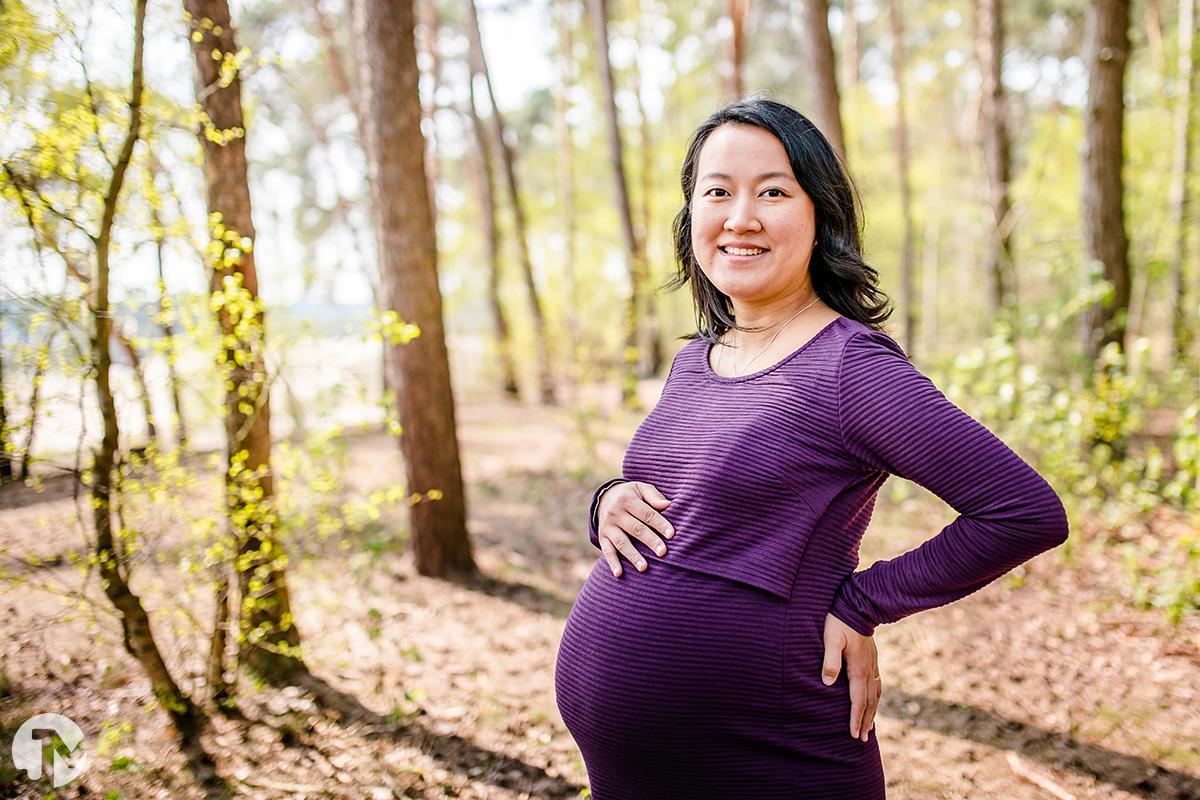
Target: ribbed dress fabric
{"type": "Point", "coordinates": [701, 677]}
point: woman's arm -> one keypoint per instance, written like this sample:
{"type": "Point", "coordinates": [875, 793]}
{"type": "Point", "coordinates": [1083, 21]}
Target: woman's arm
{"type": "Point", "coordinates": [893, 418]}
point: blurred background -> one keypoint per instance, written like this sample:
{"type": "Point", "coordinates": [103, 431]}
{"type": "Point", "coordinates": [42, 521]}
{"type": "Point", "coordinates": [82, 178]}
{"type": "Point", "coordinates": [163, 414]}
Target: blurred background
{"type": "Point", "coordinates": [321, 320]}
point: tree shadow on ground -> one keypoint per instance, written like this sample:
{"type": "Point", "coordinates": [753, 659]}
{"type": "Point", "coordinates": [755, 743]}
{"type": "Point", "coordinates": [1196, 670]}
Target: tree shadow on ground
{"type": "Point", "coordinates": [531, 598]}
{"type": "Point", "coordinates": [1133, 774]}
{"type": "Point", "coordinates": [455, 752]}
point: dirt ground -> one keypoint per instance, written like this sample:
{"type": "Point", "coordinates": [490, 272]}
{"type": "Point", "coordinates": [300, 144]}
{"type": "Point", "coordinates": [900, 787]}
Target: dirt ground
{"type": "Point", "coordinates": [1046, 684]}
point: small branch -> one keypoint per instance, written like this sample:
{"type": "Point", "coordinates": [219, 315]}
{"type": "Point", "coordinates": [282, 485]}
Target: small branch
{"type": "Point", "coordinates": [26, 184]}
{"type": "Point", "coordinates": [1018, 766]}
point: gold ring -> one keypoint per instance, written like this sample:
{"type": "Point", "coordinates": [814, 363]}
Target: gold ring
{"type": "Point", "coordinates": [878, 678]}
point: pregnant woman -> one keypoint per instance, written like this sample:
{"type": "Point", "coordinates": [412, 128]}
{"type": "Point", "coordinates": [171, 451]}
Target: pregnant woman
{"type": "Point", "coordinates": [700, 673]}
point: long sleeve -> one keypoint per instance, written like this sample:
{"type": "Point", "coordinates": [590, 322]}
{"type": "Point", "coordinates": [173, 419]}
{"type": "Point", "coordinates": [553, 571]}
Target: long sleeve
{"type": "Point", "coordinates": [593, 520]}
{"type": "Point", "coordinates": [892, 418]}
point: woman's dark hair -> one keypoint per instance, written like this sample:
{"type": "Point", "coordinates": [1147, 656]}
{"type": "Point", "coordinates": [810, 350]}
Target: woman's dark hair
{"type": "Point", "coordinates": [840, 277]}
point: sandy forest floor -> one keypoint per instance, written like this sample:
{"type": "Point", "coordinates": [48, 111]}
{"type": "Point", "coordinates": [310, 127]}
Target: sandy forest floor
{"type": "Point", "coordinates": [1043, 685]}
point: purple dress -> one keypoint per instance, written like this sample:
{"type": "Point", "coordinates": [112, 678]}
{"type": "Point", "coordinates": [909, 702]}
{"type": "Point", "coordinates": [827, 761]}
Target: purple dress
{"type": "Point", "coordinates": [701, 677]}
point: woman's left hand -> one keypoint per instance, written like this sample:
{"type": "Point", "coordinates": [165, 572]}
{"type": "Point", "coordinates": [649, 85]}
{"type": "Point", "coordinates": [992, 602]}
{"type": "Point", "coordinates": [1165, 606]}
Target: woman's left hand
{"type": "Point", "coordinates": [862, 668]}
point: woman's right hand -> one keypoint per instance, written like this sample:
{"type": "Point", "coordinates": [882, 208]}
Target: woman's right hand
{"type": "Point", "coordinates": [630, 511]}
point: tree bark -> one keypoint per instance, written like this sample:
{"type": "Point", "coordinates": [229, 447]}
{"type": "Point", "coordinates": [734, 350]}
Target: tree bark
{"type": "Point", "coordinates": [407, 251]}
{"type": "Point", "coordinates": [818, 46]}
{"type": "Point", "coordinates": [268, 639]}
{"type": "Point", "coordinates": [633, 254]}
{"type": "Point", "coordinates": [737, 50]}
{"type": "Point", "coordinates": [654, 359]}
{"type": "Point", "coordinates": [6, 464]}
{"type": "Point", "coordinates": [186, 718]}
{"type": "Point", "coordinates": [1105, 240]}
{"type": "Point", "coordinates": [1182, 333]}
{"type": "Point", "coordinates": [483, 172]}
{"type": "Point", "coordinates": [508, 163]}
{"type": "Point", "coordinates": [166, 311]}
{"type": "Point", "coordinates": [850, 54]}
{"type": "Point", "coordinates": [989, 50]}
{"type": "Point", "coordinates": [566, 185]}
{"type": "Point", "coordinates": [35, 401]}
{"type": "Point", "coordinates": [427, 17]}
{"type": "Point", "coordinates": [139, 376]}
{"type": "Point", "coordinates": [907, 262]}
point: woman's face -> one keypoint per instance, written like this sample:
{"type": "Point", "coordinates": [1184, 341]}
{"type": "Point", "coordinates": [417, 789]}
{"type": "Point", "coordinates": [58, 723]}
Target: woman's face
{"type": "Point", "coordinates": [747, 198]}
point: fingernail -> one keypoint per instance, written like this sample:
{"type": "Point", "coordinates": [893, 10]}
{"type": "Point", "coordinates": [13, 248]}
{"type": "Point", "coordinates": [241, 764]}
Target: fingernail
{"type": "Point", "coordinates": [661, 550]}
{"type": "Point", "coordinates": [670, 532]}
{"type": "Point", "coordinates": [827, 680]}
{"type": "Point", "coordinates": [641, 565]}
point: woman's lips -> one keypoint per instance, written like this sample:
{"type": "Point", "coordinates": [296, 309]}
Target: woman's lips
{"type": "Point", "coordinates": [738, 257]}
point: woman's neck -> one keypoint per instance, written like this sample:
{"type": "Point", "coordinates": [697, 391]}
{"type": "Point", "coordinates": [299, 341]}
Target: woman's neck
{"type": "Point", "coordinates": [769, 317]}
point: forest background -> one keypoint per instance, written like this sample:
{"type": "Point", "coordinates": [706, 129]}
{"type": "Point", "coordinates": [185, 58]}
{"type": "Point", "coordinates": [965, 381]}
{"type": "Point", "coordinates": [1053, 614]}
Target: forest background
{"type": "Point", "coordinates": [320, 324]}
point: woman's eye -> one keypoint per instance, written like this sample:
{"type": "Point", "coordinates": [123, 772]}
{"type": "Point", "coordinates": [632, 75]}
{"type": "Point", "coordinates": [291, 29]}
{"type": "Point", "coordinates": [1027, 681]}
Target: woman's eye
{"type": "Point", "coordinates": [778, 192]}
{"type": "Point", "coordinates": [715, 189]}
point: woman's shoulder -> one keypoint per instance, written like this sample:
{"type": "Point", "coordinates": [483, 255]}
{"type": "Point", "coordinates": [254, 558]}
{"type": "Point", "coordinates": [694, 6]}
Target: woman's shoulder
{"type": "Point", "coordinates": [860, 339]}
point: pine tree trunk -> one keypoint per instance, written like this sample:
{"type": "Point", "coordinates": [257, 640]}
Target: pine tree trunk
{"type": "Point", "coordinates": [737, 47]}
{"type": "Point", "coordinates": [818, 47]}
{"type": "Point", "coordinates": [1182, 334]}
{"type": "Point", "coordinates": [1105, 240]}
{"type": "Point", "coordinates": [427, 17]}
{"type": "Point", "coordinates": [634, 257]}
{"type": "Point", "coordinates": [407, 251]}
{"type": "Point", "coordinates": [268, 639]}
{"type": "Point", "coordinates": [508, 163]}
{"type": "Point", "coordinates": [343, 81]}
{"type": "Point", "coordinates": [566, 189]}
{"type": "Point", "coordinates": [850, 54]}
{"type": "Point", "coordinates": [989, 49]}
{"type": "Point", "coordinates": [654, 359]}
{"type": "Point", "coordinates": [907, 262]}
{"type": "Point", "coordinates": [482, 169]}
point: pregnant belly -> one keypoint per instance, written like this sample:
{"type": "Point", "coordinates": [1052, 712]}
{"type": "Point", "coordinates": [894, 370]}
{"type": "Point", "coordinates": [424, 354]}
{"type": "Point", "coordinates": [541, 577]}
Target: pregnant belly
{"type": "Point", "coordinates": [670, 655]}
{"type": "Point", "coordinates": [675, 683]}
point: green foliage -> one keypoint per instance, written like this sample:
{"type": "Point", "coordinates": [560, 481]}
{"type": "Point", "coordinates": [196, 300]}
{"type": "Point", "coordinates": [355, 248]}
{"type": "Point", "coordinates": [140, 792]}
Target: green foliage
{"type": "Point", "coordinates": [1088, 432]}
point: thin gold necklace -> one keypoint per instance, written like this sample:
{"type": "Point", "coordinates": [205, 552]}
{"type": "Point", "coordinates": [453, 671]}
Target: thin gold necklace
{"type": "Point", "coordinates": [739, 373]}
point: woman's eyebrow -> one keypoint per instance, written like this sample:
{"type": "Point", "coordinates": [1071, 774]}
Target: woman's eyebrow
{"type": "Point", "coordinates": [765, 176]}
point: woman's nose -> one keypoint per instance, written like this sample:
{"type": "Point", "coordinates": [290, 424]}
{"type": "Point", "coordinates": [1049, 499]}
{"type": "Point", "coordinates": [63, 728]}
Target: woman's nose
{"type": "Point", "coordinates": [742, 217]}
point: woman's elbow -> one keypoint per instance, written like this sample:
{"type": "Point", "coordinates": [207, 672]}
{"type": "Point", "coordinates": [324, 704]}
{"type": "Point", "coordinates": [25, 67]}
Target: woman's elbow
{"type": "Point", "coordinates": [1048, 521]}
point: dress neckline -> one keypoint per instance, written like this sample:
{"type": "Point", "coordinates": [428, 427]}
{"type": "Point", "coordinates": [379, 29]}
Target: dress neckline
{"type": "Point", "coordinates": [714, 376]}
